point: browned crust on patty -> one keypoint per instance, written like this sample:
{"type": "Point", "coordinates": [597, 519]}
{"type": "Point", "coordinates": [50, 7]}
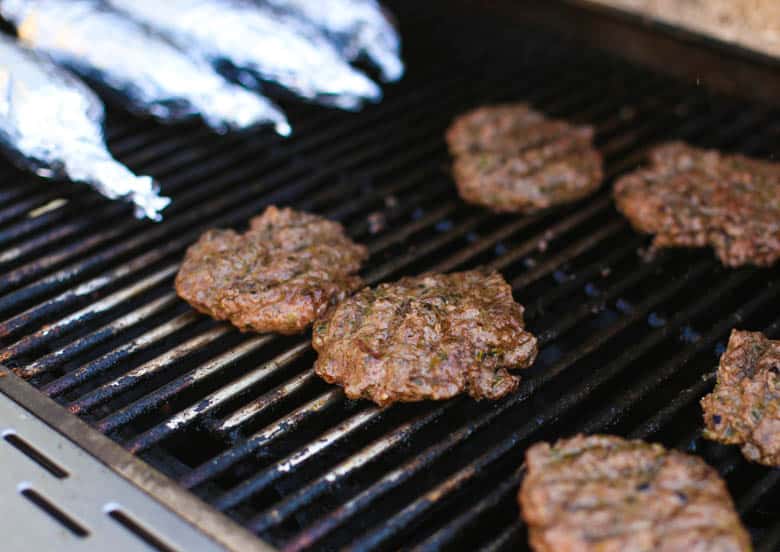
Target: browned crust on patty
{"type": "Point", "coordinates": [278, 276]}
{"type": "Point", "coordinates": [604, 493]}
{"type": "Point", "coordinates": [744, 408]}
{"type": "Point", "coordinates": [426, 337]}
{"type": "Point", "coordinates": [689, 197]}
{"type": "Point", "coordinates": [510, 158]}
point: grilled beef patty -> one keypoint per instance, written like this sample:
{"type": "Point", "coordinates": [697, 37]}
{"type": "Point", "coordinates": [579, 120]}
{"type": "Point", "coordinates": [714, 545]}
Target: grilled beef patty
{"type": "Point", "coordinates": [277, 277]}
{"type": "Point", "coordinates": [427, 337]}
{"type": "Point", "coordinates": [744, 408]}
{"type": "Point", "coordinates": [607, 494]}
{"type": "Point", "coordinates": [510, 158]}
{"type": "Point", "coordinates": [690, 197]}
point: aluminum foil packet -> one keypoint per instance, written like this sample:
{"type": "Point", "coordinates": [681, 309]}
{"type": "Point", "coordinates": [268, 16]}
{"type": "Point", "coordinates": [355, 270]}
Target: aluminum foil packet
{"type": "Point", "coordinates": [360, 29]}
{"type": "Point", "coordinates": [259, 40]}
{"type": "Point", "coordinates": [151, 75]}
{"type": "Point", "coordinates": [52, 124]}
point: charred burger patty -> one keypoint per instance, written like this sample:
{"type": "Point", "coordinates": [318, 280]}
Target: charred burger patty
{"type": "Point", "coordinates": [690, 197]}
{"type": "Point", "coordinates": [744, 408]}
{"type": "Point", "coordinates": [511, 158]}
{"type": "Point", "coordinates": [278, 276]}
{"type": "Point", "coordinates": [427, 337]}
{"type": "Point", "coordinates": [607, 494]}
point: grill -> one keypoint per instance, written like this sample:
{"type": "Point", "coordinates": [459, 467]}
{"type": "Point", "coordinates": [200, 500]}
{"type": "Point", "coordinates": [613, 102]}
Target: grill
{"type": "Point", "coordinates": [629, 344]}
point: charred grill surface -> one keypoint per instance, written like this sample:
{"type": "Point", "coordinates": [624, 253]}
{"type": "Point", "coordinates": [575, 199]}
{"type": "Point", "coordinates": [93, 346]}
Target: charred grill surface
{"type": "Point", "coordinates": [90, 316]}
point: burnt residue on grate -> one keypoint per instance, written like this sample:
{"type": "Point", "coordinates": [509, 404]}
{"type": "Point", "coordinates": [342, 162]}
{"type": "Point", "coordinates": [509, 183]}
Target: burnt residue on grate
{"type": "Point", "coordinates": [628, 345]}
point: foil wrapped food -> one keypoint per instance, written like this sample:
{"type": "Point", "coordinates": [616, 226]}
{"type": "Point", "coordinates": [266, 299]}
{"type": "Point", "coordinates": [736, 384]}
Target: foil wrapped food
{"type": "Point", "coordinates": [149, 73]}
{"type": "Point", "coordinates": [259, 40]}
{"type": "Point", "coordinates": [51, 123]}
{"type": "Point", "coordinates": [359, 28]}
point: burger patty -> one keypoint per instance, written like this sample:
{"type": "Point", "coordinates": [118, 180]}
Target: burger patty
{"type": "Point", "coordinates": [278, 276]}
{"type": "Point", "coordinates": [427, 337]}
{"type": "Point", "coordinates": [744, 408]}
{"type": "Point", "coordinates": [690, 197]}
{"type": "Point", "coordinates": [607, 494]}
{"type": "Point", "coordinates": [511, 158]}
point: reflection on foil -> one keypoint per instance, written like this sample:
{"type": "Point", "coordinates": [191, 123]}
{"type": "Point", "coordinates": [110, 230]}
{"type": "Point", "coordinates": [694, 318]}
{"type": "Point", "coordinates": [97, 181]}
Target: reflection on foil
{"type": "Point", "coordinates": [52, 124]}
{"type": "Point", "coordinates": [150, 74]}
{"type": "Point", "coordinates": [358, 27]}
{"type": "Point", "coordinates": [253, 37]}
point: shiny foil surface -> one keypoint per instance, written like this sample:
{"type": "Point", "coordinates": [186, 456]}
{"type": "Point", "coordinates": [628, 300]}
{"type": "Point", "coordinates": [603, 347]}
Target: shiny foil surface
{"type": "Point", "coordinates": [52, 124]}
{"type": "Point", "coordinates": [360, 28]}
{"type": "Point", "coordinates": [259, 39]}
{"type": "Point", "coordinates": [149, 73]}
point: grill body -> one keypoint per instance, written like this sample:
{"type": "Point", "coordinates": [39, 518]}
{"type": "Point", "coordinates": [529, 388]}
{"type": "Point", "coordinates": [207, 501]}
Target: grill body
{"type": "Point", "coordinates": [628, 344]}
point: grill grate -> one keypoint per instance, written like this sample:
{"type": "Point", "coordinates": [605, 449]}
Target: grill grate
{"type": "Point", "coordinates": [627, 346]}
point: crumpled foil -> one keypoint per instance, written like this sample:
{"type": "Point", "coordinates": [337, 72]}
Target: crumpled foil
{"type": "Point", "coordinates": [359, 28]}
{"type": "Point", "coordinates": [255, 38]}
{"type": "Point", "coordinates": [51, 123]}
{"type": "Point", "coordinates": [149, 73]}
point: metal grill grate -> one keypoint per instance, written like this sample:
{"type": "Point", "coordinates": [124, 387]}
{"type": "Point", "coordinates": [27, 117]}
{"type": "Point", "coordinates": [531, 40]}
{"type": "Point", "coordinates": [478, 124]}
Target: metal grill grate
{"type": "Point", "coordinates": [627, 346]}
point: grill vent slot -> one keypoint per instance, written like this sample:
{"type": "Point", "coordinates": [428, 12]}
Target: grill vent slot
{"type": "Point", "coordinates": [35, 455]}
{"type": "Point", "coordinates": [94, 508]}
{"type": "Point", "coordinates": [44, 504]}
{"type": "Point", "coordinates": [137, 529]}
